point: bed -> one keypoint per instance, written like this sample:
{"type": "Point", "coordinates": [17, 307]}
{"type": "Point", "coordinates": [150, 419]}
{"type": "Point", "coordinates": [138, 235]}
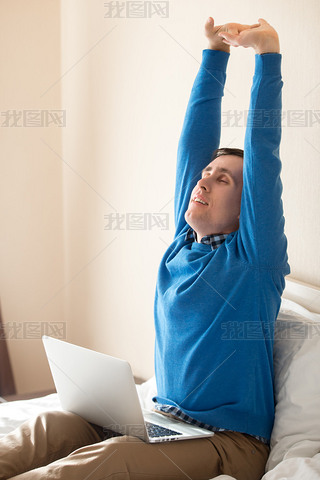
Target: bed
{"type": "Point", "coordinates": [295, 441]}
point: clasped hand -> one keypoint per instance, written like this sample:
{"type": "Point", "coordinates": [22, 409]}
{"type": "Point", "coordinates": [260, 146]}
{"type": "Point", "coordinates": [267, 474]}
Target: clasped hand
{"type": "Point", "coordinates": [261, 36]}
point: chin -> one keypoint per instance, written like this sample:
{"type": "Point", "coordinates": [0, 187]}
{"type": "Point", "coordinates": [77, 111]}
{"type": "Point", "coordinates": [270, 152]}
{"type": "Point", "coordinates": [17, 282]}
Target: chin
{"type": "Point", "coordinates": [187, 216]}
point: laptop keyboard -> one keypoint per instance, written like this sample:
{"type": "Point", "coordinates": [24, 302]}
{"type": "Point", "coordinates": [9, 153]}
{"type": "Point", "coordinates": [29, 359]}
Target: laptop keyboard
{"type": "Point", "coordinates": [158, 431]}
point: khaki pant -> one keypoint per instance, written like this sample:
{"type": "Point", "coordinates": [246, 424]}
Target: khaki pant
{"type": "Point", "coordinates": [62, 445]}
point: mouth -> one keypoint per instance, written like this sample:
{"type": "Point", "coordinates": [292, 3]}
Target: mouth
{"type": "Point", "coordinates": [199, 200]}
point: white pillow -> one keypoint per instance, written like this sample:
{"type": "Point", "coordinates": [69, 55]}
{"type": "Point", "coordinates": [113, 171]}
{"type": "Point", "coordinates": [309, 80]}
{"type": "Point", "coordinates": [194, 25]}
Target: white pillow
{"type": "Point", "coordinates": [296, 430]}
{"type": "Point", "coordinates": [146, 391]}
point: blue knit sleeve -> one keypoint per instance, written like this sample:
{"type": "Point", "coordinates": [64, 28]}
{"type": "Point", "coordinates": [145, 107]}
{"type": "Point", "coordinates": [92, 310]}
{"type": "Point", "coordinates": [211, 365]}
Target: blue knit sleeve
{"type": "Point", "coordinates": [201, 129]}
{"type": "Point", "coordinates": [261, 229]}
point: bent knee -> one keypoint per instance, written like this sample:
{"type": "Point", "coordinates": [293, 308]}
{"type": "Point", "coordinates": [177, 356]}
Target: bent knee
{"type": "Point", "coordinates": [62, 421]}
{"type": "Point", "coordinates": [52, 417]}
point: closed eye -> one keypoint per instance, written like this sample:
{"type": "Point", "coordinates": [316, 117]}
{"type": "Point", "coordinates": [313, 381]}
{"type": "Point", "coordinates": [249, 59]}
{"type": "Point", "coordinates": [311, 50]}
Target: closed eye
{"type": "Point", "coordinates": [219, 179]}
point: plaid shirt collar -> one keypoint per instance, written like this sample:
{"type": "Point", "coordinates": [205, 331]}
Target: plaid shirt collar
{"type": "Point", "coordinates": [214, 240]}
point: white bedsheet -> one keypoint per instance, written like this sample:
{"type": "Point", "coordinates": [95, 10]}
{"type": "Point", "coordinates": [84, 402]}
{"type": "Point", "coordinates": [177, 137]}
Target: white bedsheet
{"type": "Point", "coordinates": [12, 414]}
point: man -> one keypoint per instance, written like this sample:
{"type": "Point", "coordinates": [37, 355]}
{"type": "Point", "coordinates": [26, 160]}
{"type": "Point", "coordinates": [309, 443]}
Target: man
{"type": "Point", "coordinates": [217, 297]}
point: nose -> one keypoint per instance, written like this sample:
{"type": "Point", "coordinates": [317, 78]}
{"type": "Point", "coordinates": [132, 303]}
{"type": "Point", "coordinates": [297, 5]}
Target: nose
{"type": "Point", "coordinates": [204, 184]}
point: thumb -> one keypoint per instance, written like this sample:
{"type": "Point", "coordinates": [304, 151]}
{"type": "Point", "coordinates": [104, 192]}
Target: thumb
{"type": "Point", "coordinates": [262, 21]}
{"type": "Point", "coordinates": [209, 26]}
{"type": "Point", "coordinates": [210, 21]}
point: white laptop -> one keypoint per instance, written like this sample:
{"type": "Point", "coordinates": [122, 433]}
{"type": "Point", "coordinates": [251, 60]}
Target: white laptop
{"type": "Point", "coordinates": [101, 389]}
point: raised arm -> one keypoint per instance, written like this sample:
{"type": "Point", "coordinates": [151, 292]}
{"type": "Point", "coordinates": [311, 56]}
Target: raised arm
{"type": "Point", "coordinates": [261, 227]}
{"type": "Point", "coordinates": [201, 129]}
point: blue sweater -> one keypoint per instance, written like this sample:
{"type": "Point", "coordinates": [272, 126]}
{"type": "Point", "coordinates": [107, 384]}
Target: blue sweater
{"type": "Point", "coordinates": [215, 309]}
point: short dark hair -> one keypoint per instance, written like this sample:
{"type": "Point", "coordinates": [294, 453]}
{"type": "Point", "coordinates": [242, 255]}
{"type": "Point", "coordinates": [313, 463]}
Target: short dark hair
{"type": "Point", "coordinates": [227, 151]}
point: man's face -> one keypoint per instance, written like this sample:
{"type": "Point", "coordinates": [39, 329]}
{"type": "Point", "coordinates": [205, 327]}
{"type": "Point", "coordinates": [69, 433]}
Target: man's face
{"type": "Point", "coordinates": [221, 191]}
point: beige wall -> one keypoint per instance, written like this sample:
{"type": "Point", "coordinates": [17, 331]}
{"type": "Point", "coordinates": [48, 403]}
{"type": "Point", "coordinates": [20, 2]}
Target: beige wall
{"type": "Point", "coordinates": [31, 201]}
{"type": "Point", "coordinates": [124, 85]}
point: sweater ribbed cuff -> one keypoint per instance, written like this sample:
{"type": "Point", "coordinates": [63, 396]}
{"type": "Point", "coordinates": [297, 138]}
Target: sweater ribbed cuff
{"type": "Point", "coordinates": [215, 59]}
{"type": "Point", "coordinates": [268, 64]}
